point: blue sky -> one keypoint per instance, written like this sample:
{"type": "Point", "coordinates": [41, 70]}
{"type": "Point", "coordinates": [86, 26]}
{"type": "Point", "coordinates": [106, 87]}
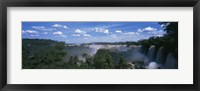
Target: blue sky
{"type": "Point", "coordinates": [87, 32]}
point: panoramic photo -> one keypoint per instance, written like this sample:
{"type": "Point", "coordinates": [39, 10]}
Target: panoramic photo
{"type": "Point", "coordinates": [99, 45]}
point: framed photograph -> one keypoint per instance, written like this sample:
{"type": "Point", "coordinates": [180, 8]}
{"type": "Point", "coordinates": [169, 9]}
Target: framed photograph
{"type": "Point", "coordinates": [91, 45]}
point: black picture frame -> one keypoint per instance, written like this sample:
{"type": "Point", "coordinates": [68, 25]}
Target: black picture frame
{"type": "Point", "coordinates": [99, 3]}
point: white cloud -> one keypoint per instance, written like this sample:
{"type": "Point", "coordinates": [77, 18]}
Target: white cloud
{"type": "Point", "coordinates": [63, 35]}
{"type": "Point", "coordinates": [114, 36]}
{"type": "Point", "coordinates": [96, 28]}
{"type": "Point", "coordinates": [57, 25]}
{"type": "Point", "coordinates": [87, 35]}
{"type": "Point", "coordinates": [140, 30]}
{"type": "Point", "coordinates": [118, 31]}
{"type": "Point", "coordinates": [79, 32]}
{"type": "Point", "coordinates": [30, 32]}
{"type": "Point", "coordinates": [153, 31]}
{"type": "Point", "coordinates": [57, 33]}
{"type": "Point", "coordinates": [158, 33]}
{"type": "Point", "coordinates": [137, 33]}
{"type": "Point", "coordinates": [106, 31]}
{"type": "Point", "coordinates": [76, 35]}
{"type": "Point", "coordinates": [23, 31]}
{"type": "Point", "coordinates": [164, 25]}
{"type": "Point", "coordinates": [65, 27]}
{"type": "Point", "coordinates": [60, 26]}
{"type": "Point", "coordinates": [129, 33]}
{"type": "Point", "coordinates": [147, 29]}
{"type": "Point", "coordinates": [42, 28]}
{"type": "Point", "coordinates": [101, 30]}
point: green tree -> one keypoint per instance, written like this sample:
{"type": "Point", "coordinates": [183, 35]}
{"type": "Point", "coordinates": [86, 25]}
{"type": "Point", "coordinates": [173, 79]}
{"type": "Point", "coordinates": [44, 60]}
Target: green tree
{"type": "Point", "coordinates": [44, 54]}
{"type": "Point", "coordinates": [171, 38]}
{"type": "Point", "coordinates": [103, 60]}
{"type": "Point", "coordinates": [122, 64]}
{"type": "Point", "coordinates": [84, 55]}
{"type": "Point", "coordinates": [73, 62]}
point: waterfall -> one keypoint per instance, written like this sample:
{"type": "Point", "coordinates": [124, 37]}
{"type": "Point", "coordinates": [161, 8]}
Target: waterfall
{"type": "Point", "coordinates": [160, 56]}
{"type": "Point", "coordinates": [153, 65]}
{"type": "Point", "coordinates": [137, 55]}
{"type": "Point", "coordinates": [151, 53]}
{"type": "Point", "coordinates": [171, 63]}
